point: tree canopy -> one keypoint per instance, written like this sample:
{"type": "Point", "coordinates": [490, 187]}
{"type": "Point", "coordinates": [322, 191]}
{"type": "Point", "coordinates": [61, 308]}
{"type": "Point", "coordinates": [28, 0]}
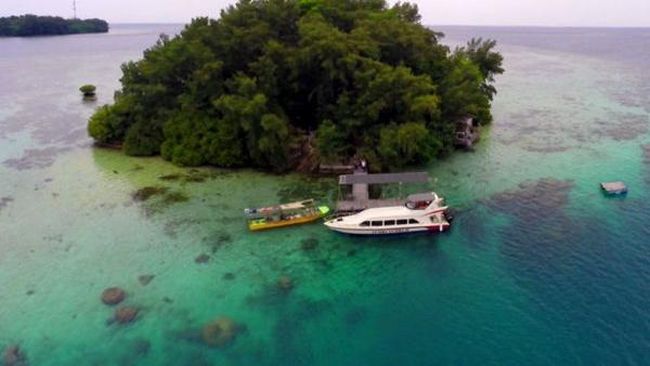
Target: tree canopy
{"type": "Point", "coordinates": [33, 25]}
{"type": "Point", "coordinates": [273, 83]}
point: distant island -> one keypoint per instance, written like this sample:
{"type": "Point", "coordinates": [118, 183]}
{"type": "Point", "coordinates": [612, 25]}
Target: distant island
{"type": "Point", "coordinates": [287, 85]}
{"type": "Point", "coordinates": [33, 25]}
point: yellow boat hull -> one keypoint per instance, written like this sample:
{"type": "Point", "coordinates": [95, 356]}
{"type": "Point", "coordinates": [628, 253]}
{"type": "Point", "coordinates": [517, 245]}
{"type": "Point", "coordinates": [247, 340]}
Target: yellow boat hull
{"type": "Point", "coordinates": [263, 224]}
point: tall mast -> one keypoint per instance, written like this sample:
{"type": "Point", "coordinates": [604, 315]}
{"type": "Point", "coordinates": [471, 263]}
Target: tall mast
{"type": "Point", "coordinates": [74, 8]}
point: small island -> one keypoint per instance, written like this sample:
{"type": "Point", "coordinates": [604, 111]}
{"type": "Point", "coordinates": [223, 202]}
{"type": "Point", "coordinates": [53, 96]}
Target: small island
{"type": "Point", "coordinates": [32, 25]}
{"type": "Point", "coordinates": [288, 85]}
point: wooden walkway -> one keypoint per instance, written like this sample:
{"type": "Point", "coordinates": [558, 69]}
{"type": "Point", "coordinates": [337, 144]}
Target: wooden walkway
{"type": "Point", "coordinates": [360, 191]}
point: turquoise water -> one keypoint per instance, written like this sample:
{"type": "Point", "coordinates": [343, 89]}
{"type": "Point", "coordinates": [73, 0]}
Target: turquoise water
{"type": "Point", "coordinates": [540, 268]}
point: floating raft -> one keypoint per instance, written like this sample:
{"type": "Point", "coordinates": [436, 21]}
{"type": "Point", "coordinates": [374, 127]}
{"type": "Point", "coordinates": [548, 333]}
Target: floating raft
{"type": "Point", "coordinates": [614, 187]}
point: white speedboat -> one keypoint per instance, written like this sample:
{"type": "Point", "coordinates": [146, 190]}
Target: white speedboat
{"type": "Point", "coordinates": [422, 212]}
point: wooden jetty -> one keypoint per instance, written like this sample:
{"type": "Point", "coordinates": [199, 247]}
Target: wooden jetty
{"type": "Point", "coordinates": [361, 180]}
{"type": "Point", "coordinates": [614, 187]}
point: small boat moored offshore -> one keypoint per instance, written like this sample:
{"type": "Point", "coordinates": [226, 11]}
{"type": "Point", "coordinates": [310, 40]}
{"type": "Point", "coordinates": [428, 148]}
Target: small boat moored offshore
{"type": "Point", "coordinates": [422, 212]}
{"type": "Point", "coordinates": [614, 188]}
{"type": "Point", "coordinates": [284, 215]}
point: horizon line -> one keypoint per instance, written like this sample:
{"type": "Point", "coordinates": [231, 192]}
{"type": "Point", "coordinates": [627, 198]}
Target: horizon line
{"type": "Point", "coordinates": [511, 25]}
{"type": "Point", "coordinates": [448, 25]}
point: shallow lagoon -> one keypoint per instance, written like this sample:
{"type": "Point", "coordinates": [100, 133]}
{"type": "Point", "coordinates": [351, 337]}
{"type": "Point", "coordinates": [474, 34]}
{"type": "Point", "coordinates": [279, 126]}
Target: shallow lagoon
{"type": "Point", "coordinates": [540, 267]}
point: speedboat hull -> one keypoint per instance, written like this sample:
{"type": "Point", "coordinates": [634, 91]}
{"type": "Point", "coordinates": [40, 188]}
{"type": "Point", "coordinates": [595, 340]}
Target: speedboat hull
{"type": "Point", "coordinates": [438, 228]}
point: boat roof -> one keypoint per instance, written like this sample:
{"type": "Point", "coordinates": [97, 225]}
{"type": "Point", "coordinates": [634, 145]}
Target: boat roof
{"type": "Point", "coordinates": [421, 197]}
{"type": "Point", "coordinates": [288, 206]}
{"type": "Point", "coordinates": [409, 177]}
{"type": "Point", "coordinates": [383, 213]}
{"type": "Point", "coordinates": [297, 205]}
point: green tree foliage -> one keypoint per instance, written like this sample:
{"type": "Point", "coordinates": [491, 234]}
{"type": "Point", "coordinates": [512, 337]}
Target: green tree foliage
{"type": "Point", "coordinates": [362, 77]}
{"type": "Point", "coordinates": [107, 125]}
{"type": "Point", "coordinates": [32, 25]}
{"type": "Point", "coordinates": [482, 54]}
{"type": "Point", "coordinates": [406, 144]}
{"type": "Point", "coordinates": [330, 142]}
{"type": "Point", "coordinates": [88, 89]}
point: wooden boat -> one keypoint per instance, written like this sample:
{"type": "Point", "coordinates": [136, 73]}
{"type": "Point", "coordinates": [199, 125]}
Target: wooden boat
{"type": "Point", "coordinates": [289, 214]}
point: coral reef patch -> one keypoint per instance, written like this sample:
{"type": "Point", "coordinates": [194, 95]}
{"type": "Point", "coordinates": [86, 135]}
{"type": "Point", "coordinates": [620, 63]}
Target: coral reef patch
{"type": "Point", "coordinates": [220, 332]}
{"type": "Point", "coordinates": [36, 158]}
{"type": "Point", "coordinates": [113, 296]}
{"type": "Point", "coordinates": [145, 279]}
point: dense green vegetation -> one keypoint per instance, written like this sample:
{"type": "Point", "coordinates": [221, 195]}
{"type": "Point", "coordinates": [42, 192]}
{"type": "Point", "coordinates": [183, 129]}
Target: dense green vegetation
{"type": "Point", "coordinates": [33, 25]}
{"type": "Point", "coordinates": [281, 84]}
{"type": "Point", "coordinates": [88, 90]}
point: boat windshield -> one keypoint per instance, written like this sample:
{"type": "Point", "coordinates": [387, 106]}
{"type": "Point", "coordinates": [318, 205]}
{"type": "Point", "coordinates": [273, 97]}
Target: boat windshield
{"type": "Point", "coordinates": [417, 205]}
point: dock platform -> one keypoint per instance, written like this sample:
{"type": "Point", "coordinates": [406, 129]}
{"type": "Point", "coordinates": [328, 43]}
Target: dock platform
{"type": "Point", "coordinates": [359, 199]}
{"type": "Point", "coordinates": [356, 206]}
{"type": "Point", "coordinates": [614, 187]}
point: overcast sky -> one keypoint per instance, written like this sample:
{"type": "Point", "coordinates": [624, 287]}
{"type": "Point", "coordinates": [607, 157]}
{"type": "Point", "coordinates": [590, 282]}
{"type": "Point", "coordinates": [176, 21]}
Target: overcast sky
{"type": "Point", "coordinates": [609, 13]}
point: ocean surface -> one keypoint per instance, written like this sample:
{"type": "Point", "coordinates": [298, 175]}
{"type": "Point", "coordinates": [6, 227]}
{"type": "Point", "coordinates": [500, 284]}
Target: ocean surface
{"type": "Point", "coordinates": [540, 267]}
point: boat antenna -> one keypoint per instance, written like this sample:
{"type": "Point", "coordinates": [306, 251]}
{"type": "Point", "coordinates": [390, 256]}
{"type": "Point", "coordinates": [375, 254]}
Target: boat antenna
{"type": "Point", "coordinates": [74, 8]}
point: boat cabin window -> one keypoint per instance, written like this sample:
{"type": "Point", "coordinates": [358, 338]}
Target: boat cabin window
{"type": "Point", "coordinates": [402, 222]}
{"type": "Point", "coordinates": [365, 223]}
{"type": "Point", "coordinates": [389, 222]}
{"type": "Point", "coordinates": [413, 221]}
{"type": "Point", "coordinates": [377, 223]}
